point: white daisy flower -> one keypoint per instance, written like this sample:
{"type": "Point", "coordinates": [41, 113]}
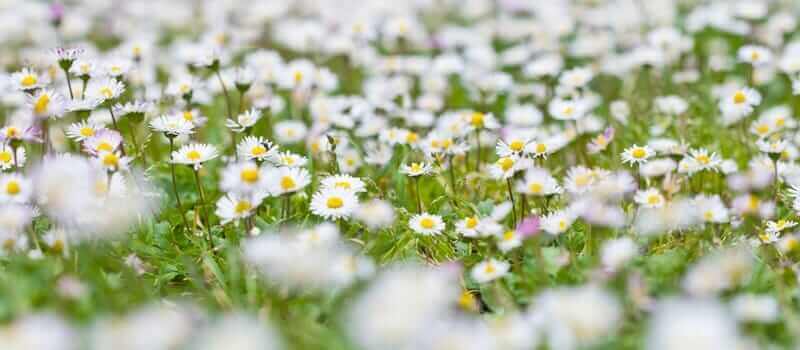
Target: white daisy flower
{"type": "Point", "coordinates": [256, 148]}
{"type": "Point", "coordinates": [8, 159]}
{"type": "Point", "coordinates": [82, 130]}
{"type": "Point", "coordinates": [558, 222]}
{"type": "Point", "coordinates": [104, 89]}
{"type": "Point", "coordinates": [649, 198]}
{"type": "Point", "coordinates": [234, 206]}
{"type": "Point", "coordinates": [111, 161]}
{"type": "Point", "coordinates": [375, 214]}
{"type": "Point", "coordinates": [506, 167]}
{"type": "Point", "coordinates": [426, 224]}
{"type": "Point", "coordinates": [345, 182]}
{"type": "Point", "coordinates": [46, 103]}
{"type": "Point", "coordinates": [289, 159]}
{"type": "Point", "coordinates": [286, 180]}
{"type": "Point", "coordinates": [740, 102]}
{"type": "Point", "coordinates": [172, 125]}
{"type": "Point", "coordinates": [243, 177]}
{"type": "Point", "coordinates": [290, 131]}
{"type": "Point", "coordinates": [28, 79]}
{"type": "Point", "coordinates": [194, 154]}
{"type": "Point", "coordinates": [103, 140]}
{"type": "Point", "coordinates": [489, 270]}
{"type": "Point", "coordinates": [244, 121]}
{"type": "Point", "coordinates": [539, 182]}
{"type": "Point", "coordinates": [334, 203]}
{"type": "Point", "coordinates": [711, 209]}
{"type": "Point", "coordinates": [637, 154]}
{"type": "Point", "coordinates": [509, 240]}
{"type": "Point", "coordinates": [416, 169]}
{"type": "Point", "coordinates": [15, 188]}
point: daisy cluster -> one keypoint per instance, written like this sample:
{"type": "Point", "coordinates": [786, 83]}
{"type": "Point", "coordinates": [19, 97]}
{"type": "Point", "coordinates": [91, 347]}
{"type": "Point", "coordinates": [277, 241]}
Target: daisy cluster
{"type": "Point", "coordinates": [417, 174]}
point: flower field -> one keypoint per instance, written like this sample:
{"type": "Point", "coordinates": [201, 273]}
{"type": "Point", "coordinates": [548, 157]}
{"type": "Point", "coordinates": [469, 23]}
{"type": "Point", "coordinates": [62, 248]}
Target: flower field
{"type": "Point", "coordinates": [399, 175]}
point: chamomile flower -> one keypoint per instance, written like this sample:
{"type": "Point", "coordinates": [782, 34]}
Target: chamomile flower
{"type": "Point", "coordinates": [194, 154]}
{"type": "Point", "coordinates": [479, 120]}
{"type": "Point", "coordinates": [193, 116]}
{"type": "Point", "coordinates": [562, 109]}
{"type": "Point", "coordinates": [558, 222]}
{"type": "Point", "coordinates": [103, 140]}
{"type": "Point", "coordinates": [426, 224]}
{"type": "Point", "coordinates": [286, 180]}
{"type": "Point", "coordinates": [711, 209]}
{"type": "Point", "coordinates": [290, 131]}
{"type": "Point", "coordinates": [509, 240]}
{"type": "Point", "coordinates": [580, 179]}
{"type": "Point", "coordinates": [172, 125]}
{"type": "Point", "coordinates": [28, 79]}
{"type": "Point", "coordinates": [539, 182]}
{"type": "Point", "coordinates": [111, 161]}
{"type": "Point", "coordinates": [740, 102]}
{"type": "Point", "coordinates": [81, 131]}
{"type": "Point", "coordinates": [243, 177]}
{"type": "Point", "coordinates": [256, 148]}
{"type": "Point", "coordinates": [649, 198]}
{"type": "Point", "coordinates": [345, 182]}
{"type": "Point", "coordinates": [469, 226]}
{"type": "Point", "coordinates": [8, 159]}
{"type": "Point", "coordinates": [234, 206]}
{"type": "Point", "coordinates": [416, 169]}
{"type": "Point", "coordinates": [637, 154]}
{"type": "Point", "coordinates": [46, 103]}
{"type": "Point", "coordinates": [506, 167]}
{"type": "Point", "coordinates": [104, 89]}
{"type": "Point", "coordinates": [600, 142]}
{"type": "Point", "coordinates": [699, 160]}
{"type": "Point", "coordinates": [244, 121]}
{"type": "Point", "coordinates": [754, 55]}
{"type": "Point", "coordinates": [334, 203]}
{"type": "Point", "coordinates": [375, 214]}
{"type": "Point", "coordinates": [489, 270]}
{"type": "Point", "coordinates": [513, 146]}
{"type": "Point", "coordinates": [290, 159]}
{"type": "Point", "coordinates": [15, 188]}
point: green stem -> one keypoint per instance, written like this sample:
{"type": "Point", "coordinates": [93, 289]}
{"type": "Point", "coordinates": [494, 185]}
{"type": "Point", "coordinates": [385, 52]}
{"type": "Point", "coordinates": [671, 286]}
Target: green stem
{"type": "Point", "coordinates": [203, 207]}
{"type": "Point", "coordinates": [175, 184]}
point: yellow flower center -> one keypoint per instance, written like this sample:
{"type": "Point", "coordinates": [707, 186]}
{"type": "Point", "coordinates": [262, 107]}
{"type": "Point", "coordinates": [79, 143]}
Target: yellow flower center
{"type": "Point", "coordinates": [535, 187]}
{"type": "Point", "coordinates": [5, 157]}
{"type": "Point", "coordinates": [416, 168]}
{"type": "Point", "coordinates": [489, 268]}
{"type": "Point", "coordinates": [762, 129]}
{"type": "Point", "coordinates": [298, 77]}
{"type": "Point", "coordinates": [703, 159]}
{"type": "Point", "coordinates": [541, 148]}
{"type": "Point", "coordinates": [708, 215]}
{"type": "Point", "coordinates": [412, 137]}
{"type": "Point", "coordinates": [516, 145]}
{"type": "Point", "coordinates": [41, 104]}
{"type": "Point", "coordinates": [342, 184]}
{"type": "Point", "coordinates": [12, 187]}
{"type": "Point", "coordinates": [105, 146]}
{"type": "Point", "coordinates": [427, 223]}
{"type": "Point", "coordinates": [86, 131]}
{"type": "Point", "coordinates": [754, 55]}
{"type": "Point", "coordinates": [288, 160]}
{"type": "Point", "coordinates": [193, 155]}
{"type": "Point", "coordinates": [505, 163]}
{"type": "Point", "coordinates": [29, 80]}
{"type": "Point", "coordinates": [334, 203]}
{"type": "Point", "coordinates": [258, 150]}
{"type": "Point", "coordinates": [249, 175]}
{"type": "Point", "coordinates": [508, 235]}
{"type": "Point", "coordinates": [110, 160]}
{"type": "Point", "coordinates": [242, 207]}
{"type": "Point", "coordinates": [582, 180]}
{"type": "Point", "coordinates": [12, 131]}
{"type": "Point", "coordinates": [106, 92]}
{"type": "Point", "coordinates": [568, 110]}
{"type": "Point", "coordinates": [739, 97]}
{"type": "Point", "coordinates": [477, 119]}
{"type": "Point", "coordinates": [562, 224]}
{"type": "Point", "coordinates": [472, 222]}
{"type": "Point", "coordinates": [188, 116]}
{"type": "Point", "coordinates": [653, 199]}
{"type": "Point", "coordinates": [639, 153]}
{"type": "Point", "coordinates": [287, 183]}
